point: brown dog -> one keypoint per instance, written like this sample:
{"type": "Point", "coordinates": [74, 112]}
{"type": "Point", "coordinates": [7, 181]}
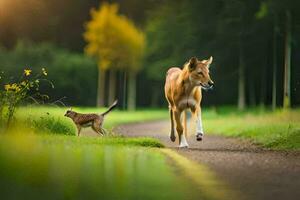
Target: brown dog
{"type": "Point", "coordinates": [183, 91]}
{"type": "Point", "coordinates": [89, 120]}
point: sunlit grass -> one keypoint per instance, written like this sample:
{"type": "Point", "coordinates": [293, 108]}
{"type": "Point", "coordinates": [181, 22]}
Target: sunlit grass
{"type": "Point", "coordinates": [63, 167]}
{"type": "Point", "coordinates": [60, 166]}
{"type": "Point", "coordinates": [277, 130]}
{"type": "Point", "coordinates": [52, 120]}
{"type": "Point", "coordinates": [106, 140]}
{"type": "Point", "coordinates": [40, 160]}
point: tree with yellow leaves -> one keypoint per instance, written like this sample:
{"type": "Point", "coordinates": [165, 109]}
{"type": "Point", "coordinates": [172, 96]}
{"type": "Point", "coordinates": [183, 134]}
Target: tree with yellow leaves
{"type": "Point", "coordinates": [117, 44]}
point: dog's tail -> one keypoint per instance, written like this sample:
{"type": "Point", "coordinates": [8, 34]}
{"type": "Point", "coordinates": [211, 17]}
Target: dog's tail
{"type": "Point", "coordinates": [110, 108]}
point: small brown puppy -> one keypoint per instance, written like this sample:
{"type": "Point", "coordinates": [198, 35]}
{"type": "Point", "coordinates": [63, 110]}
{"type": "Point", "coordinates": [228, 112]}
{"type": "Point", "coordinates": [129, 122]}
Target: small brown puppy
{"type": "Point", "coordinates": [89, 120]}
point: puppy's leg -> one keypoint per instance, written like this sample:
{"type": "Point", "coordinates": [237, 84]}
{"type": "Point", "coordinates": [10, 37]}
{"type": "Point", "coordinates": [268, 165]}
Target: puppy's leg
{"type": "Point", "coordinates": [97, 130]}
{"type": "Point", "coordinates": [96, 127]}
{"type": "Point", "coordinates": [78, 129]}
{"type": "Point", "coordinates": [103, 131]}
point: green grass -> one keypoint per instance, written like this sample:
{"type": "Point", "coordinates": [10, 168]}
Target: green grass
{"type": "Point", "coordinates": [63, 167]}
{"type": "Point", "coordinates": [276, 130]}
{"type": "Point", "coordinates": [106, 140]}
{"type": "Point", "coordinates": [52, 120]}
{"type": "Point", "coordinates": [53, 164]}
{"type": "Point", "coordinates": [40, 159]}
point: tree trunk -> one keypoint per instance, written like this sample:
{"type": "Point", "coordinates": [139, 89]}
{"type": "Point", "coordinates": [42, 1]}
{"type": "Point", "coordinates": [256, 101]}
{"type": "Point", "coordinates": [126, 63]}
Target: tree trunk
{"type": "Point", "coordinates": [131, 97]}
{"type": "Point", "coordinates": [154, 98]}
{"type": "Point", "coordinates": [263, 85]}
{"type": "Point", "coordinates": [274, 88]}
{"type": "Point", "coordinates": [241, 78]}
{"type": "Point", "coordinates": [101, 88]}
{"type": "Point", "coordinates": [287, 63]}
{"type": "Point", "coordinates": [112, 86]}
{"type": "Point", "coordinates": [252, 95]}
{"type": "Point", "coordinates": [124, 90]}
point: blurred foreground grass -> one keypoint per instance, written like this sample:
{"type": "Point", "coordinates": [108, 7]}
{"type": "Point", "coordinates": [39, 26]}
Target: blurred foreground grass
{"type": "Point", "coordinates": [40, 160]}
{"type": "Point", "coordinates": [62, 167]}
{"type": "Point", "coordinates": [276, 130]}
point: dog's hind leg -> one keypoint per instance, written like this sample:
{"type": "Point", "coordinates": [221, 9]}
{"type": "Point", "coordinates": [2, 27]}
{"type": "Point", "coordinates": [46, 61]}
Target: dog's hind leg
{"type": "Point", "coordinates": [179, 128]}
{"type": "Point", "coordinates": [97, 128]}
{"type": "Point", "coordinates": [183, 141]}
{"type": "Point", "coordinates": [184, 119]}
{"type": "Point", "coordinates": [172, 133]}
{"type": "Point", "coordinates": [103, 131]}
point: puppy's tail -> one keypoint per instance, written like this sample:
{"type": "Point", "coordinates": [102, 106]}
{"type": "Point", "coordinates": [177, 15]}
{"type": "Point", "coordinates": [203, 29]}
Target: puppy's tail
{"type": "Point", "coordinates": [110, 108]}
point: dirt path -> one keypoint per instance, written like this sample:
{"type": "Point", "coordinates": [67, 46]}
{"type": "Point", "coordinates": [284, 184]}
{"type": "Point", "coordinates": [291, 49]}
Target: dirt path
{"type": "Point", "coordinates": [253, 171]}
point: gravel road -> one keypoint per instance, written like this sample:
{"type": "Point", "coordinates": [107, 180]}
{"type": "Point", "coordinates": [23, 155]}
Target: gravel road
{"type": "Point", "coordinates": [255, 172]}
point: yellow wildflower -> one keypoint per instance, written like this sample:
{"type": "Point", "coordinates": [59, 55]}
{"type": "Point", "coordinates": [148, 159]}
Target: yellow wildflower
{"type": "Point", "coordinates": [7, 87]}
{"type": "Point", "coordinates": [14, 87]}
{"type": "Point", "coordinates": [27, 72]}
{"type": "Point", "coordinates": [44, 71]}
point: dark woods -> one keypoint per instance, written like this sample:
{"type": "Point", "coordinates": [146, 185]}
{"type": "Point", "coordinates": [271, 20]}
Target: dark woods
{"type": "Point", "coordinates": [255, 45]}
{"type": "Point", "coordinates": [251, 41]}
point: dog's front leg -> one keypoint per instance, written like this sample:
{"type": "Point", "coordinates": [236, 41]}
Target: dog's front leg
{"type": "Point", "coordinates": [78, 130]}
{"type": "Point", "coordinates": [199, 126]}
{"type": "Point", "coordinates": [172, 133]}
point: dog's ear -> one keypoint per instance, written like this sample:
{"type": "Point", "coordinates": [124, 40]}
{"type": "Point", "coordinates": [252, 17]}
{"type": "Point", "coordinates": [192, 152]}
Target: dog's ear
{"type": "Point", "coordinates": [193, 63]}
{"type": "Point", "coordinates": [207, 62]}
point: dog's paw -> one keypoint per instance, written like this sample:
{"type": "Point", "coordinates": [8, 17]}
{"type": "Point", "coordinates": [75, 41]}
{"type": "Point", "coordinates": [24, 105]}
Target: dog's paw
{"type": "Point", "coordinates": [183, 146]}
{"type": "Point", "coordinates": [172, 137]}
{"type": "Point", "coordinates": [199, 136]}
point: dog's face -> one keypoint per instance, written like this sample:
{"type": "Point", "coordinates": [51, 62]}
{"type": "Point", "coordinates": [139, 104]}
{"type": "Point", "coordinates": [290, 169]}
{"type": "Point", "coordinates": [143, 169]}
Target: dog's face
{"type": "Point", "coordinates": [199, 72]}
{"type": "Point", "coordinates": [70, 113]}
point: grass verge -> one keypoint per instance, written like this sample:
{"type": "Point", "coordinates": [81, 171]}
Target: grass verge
{"type": "Point", "coordinates": [51, 119]}
{"type": "Point", "coordinates": [275, 130]}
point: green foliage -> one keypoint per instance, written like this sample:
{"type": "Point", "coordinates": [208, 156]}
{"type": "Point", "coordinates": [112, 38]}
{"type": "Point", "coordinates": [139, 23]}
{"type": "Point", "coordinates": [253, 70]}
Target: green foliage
{"type": "Point", "coordinates": [263, 11]}
{"type": "Point", "coordinates": [231, 31]}
{"type": "Point", "coordinates": [169, 38]}
{"type": "Point", "coordinates": [175, 31]}
{"type": "Point", "coordinates": [73, 74]}
{"type": "Point", "coordinates": [16, 93]}
{"type": "Point", "coordinates": [49, 20]}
